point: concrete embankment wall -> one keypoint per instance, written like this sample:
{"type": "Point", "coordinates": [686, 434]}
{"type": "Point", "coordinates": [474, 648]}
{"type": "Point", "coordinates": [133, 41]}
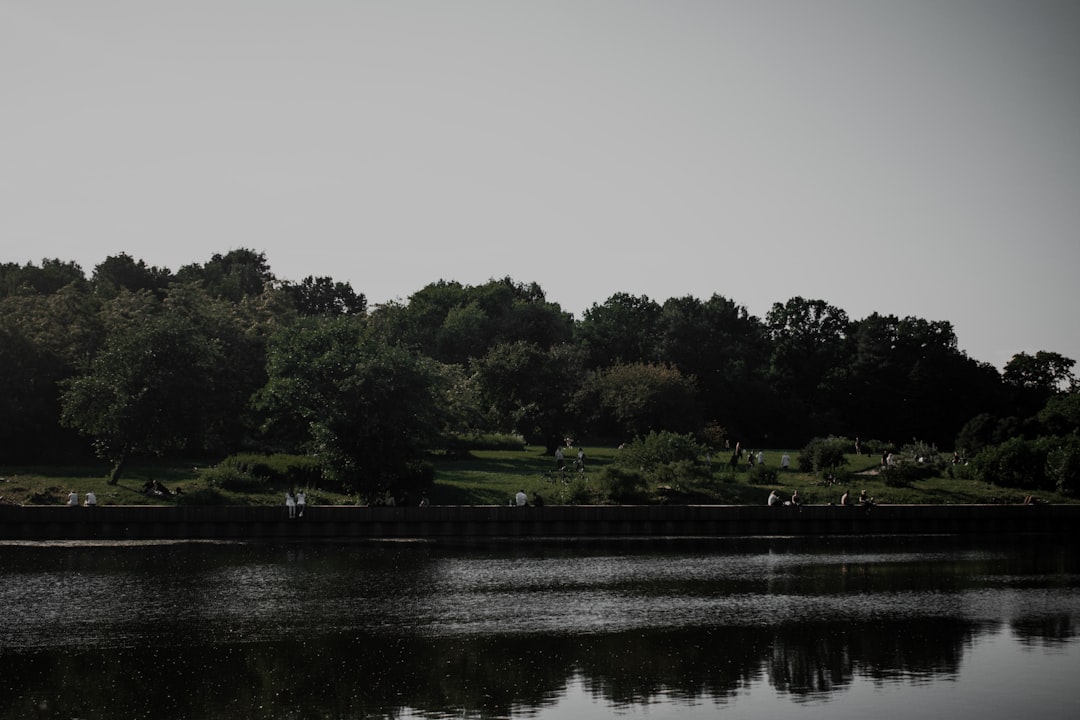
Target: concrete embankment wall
{"type": "Point", "coordinates": [462, 522]}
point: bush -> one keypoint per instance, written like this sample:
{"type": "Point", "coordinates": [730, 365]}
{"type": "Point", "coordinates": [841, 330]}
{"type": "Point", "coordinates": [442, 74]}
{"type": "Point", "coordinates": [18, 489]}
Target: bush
{"type": "Point", "coordinates": [621, 484]}
{"type": "Point", "coordinates": [764, 475]}
{"type": "Point", "coordinates": [203, 496]}
{"type": "Point", "coordinates": [1016, 463]}
{"type": "Point", "coordinates": [823, 455]}
{"type": "Point", "coordinates": [1063, 467]}
{"type": "Point", "coordinates": [656, 449]}
{"type": "Point", "coordinates": [251, 472]}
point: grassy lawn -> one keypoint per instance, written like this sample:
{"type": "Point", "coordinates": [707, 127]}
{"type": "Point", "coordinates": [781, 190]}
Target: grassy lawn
{"type": "Point", "coordinates": [492, 477]}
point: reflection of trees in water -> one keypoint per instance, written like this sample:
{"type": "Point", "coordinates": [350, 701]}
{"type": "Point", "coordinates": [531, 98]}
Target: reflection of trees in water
{"type": "Point", "coordinates": [822, 659]}
{"type": "Point", "coordinates": [1052, 629]}
{"type": "Point", "coordinates": [351, 677]}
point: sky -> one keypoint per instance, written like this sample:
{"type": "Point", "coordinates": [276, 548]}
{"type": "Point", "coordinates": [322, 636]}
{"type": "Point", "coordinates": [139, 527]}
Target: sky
{"type": "Point", "coordinates": [906, 157]}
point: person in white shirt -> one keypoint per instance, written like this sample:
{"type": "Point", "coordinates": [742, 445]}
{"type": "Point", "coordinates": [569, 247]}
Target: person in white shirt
{"type": "Point", "coordinates": [91, 499]}
{"type": "Point", "coordinates": [73, 499]}
{"type": "Point", "coordinates": [290, 503]}
{"type": "Point", "coordinates": [521, 498]}
{"type": "Point", "coordinates": [301, 503]}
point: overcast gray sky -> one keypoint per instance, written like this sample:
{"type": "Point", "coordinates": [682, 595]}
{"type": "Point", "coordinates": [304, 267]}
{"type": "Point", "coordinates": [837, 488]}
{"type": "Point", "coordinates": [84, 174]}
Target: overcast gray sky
{"type": "Point", "coordinates": [905, 157]}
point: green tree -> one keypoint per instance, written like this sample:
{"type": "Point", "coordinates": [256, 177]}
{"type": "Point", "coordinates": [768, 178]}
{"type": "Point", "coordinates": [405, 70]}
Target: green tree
{"type": "Point", "coordinates": [122, 272]}
{"type": "Point", "coordinates": [144, 391]}
{"type": "Point", "coordinates": [527, 389]}
{"type": "Point", "coordinates": [1044, 372]}
{"type": "Point", "coordinates": [622, 330]}
{"type": "Point", "coordinates": [632, 399]}
{"type": "Point", "coordinates": [323, 296]}
{"type": "Point", "coordinates": [371, 409]}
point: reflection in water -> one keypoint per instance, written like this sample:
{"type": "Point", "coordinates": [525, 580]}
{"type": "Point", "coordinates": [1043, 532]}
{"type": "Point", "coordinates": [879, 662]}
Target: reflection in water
{"type": "Point", "coordinates": [212, 630]}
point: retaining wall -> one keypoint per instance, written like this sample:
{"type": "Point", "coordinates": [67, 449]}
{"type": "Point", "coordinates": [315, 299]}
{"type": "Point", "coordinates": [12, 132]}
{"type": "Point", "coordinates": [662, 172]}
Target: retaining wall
{"type": "Point", "coordinates": [448, 522]}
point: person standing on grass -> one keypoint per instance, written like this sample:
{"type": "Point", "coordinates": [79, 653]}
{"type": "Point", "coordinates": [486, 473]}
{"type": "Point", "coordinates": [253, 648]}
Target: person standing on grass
{"type": "Point", "coordinates": [301, 503]}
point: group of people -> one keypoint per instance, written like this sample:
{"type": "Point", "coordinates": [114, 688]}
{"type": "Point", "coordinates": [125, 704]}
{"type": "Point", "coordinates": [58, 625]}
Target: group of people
{"type": "Point", "coordinates": [295, 504]}
{"type": "Point", "coordinates": [89, 501]}
{"type": "Point", "coordinates": [776, 501]}
{"type": "Point", "coordinates": [560, 460]}
{"type": "Point", "coordinates": [521, 499]}
{"type": "Point", "coordinates": [864, 499]}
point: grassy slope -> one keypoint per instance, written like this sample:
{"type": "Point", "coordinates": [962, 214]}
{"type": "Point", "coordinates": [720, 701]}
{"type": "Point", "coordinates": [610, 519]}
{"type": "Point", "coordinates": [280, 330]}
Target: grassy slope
{"type": "Point", "coordinates": [492, 477]}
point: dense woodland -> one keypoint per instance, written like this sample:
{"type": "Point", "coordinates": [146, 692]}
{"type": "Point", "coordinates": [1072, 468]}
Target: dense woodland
{"type": "Point", "coordinates": [224, 357]}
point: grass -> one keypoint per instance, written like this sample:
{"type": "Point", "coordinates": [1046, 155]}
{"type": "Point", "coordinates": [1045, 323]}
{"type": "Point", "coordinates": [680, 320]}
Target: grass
{"type": "Point", "coordinates": [492, 477]}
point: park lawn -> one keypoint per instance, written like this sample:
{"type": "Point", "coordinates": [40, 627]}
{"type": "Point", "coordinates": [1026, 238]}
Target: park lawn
{"type": "Point", "coordinates": [492, 477]}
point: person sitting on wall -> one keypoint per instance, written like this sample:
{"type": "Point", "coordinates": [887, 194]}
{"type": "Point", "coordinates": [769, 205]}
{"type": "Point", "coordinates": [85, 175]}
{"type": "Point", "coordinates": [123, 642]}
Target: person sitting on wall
{"type": "Point", "coordinates": [864, 499]}
{"type": "Point", "coordinates": [73, 499]}
{"type": "Point", "coordinates": [521, 498]}
{"type": "Point", "coordinates": [796, 499]}
{"type": "Point", "coordinates": [91, 499]}
{"type": "Point", "coordinates": [845, 499]}
{"type": "Point", "coordinates": [774, 499]}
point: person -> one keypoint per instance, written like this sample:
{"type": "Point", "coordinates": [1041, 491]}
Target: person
{"type": "Point", "coordinates": [844, 499]}
{"type": "Point", "coordinates": [538, 501]}
{"type": "Point", "coordinates": [290, 504]}
{"type": "Point", "coordinates": [858, 446]}
{"type": "Point", "coordinates": [760, 458]}
{"type": "Point", "coordinates": [424, 502]}
{"type": "Point", "coordinates": [301, 503]}
{"type": "Point", "coordinates": [521, 498]}
{"type": "Point", "coordinates": [73, 499]}
{"type": "Point", "coordinates": [796, 498]}
{"type": "Point", "coordinates": [91, 499]}
{"type": "Point", "coordinates": [774, 499]}
{"type": "Point", "coordinates": [560, 459]}
{"type": "Point", "coordinates": [580, 460]}
{"type": "Point", "coordinates": [785, 461]}
{"type": "Point", "coordinates": [864, 499]}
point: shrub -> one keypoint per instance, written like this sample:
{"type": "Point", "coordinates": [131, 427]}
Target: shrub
{"type": "Point", "coordinates": [203, 496]}
{"type": "Point", "coordinates": [622, 484]}
{"type": "Point", "coordinates": [823, 455]}
{"type": "Point", "coordinates": [656, 449]}
{"type": "Point", "coordinates": [1014, 463]}
{"type": "Point", "coordinates": [251, 472]}
{"type": "Point", "coordinates": [1063, 467]}
{"type": "Point", "coordinates": [763, 475]}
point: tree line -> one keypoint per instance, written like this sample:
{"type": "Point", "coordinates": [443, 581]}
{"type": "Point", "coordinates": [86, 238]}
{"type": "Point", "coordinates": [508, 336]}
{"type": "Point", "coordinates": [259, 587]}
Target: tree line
{"type": "Point", "coordinates": [223, 357]}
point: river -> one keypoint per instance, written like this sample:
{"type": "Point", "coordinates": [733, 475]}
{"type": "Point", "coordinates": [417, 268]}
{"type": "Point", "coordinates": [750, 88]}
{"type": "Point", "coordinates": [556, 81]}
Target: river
{"type": "Point", "coordinates": [883, 627]}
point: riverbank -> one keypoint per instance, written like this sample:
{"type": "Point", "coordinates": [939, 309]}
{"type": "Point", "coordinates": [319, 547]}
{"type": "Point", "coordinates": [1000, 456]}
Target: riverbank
{"type": "Point", "coordinates": [447, 523]}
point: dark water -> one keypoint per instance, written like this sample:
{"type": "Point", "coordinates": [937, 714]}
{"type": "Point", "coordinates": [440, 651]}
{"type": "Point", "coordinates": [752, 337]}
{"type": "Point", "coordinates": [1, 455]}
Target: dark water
{"type": "Point", "coordinates": [852, 628]}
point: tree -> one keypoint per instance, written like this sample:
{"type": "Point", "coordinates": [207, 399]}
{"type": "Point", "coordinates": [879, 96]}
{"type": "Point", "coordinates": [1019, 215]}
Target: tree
{"type": "Point", "coordinates": [122, 272]}
{"type": "Point", "coordinates": [1044, 372]}
{"type": "Point", "coordinates": [323, 296]}
{"type": "Point", "coordinates": [622, 330]}
{"type": "Point", "coordinates": [144, 391]}
{"type": "Point", "coordinates": [45, 280]}
{"type": "Point", "coordinates": [807, 340]}
{"type": "Point", "coordinates": [233, 276]}
{"type": "Point", "coordinates": [724, 348]}
{"type": "Point", "coordinates": [633, 399]}
{"type": "Point", "coordinates": [527, 389]}
{"type": "Point", "coordinates": [371, 409]}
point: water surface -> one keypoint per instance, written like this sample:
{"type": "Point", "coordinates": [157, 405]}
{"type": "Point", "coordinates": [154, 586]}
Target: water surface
{"type": "Point", "coordinates": [773, 627]}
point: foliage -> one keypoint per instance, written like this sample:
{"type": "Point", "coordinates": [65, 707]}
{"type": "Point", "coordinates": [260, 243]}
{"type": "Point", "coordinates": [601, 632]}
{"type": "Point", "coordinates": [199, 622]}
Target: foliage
{"type": "Point", "coordinates": [1017, 462]}
{"type": "Point", "coordinates": [371, 409]}
{"type": "Point", "coordinates": [620, 484]}
{"type": "Point", "coordinates": [251, 472]}
{"type": "Point", "coordinates": [628, 400]}
{"type": "Point", "coordinates": [525, 389]}
{"type": "Point", "coordinates": [823, 454]}
{"type": "Point", "coordinates": [650, 451]}
{"type": "Point", "coordinates": [1063, 466]}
